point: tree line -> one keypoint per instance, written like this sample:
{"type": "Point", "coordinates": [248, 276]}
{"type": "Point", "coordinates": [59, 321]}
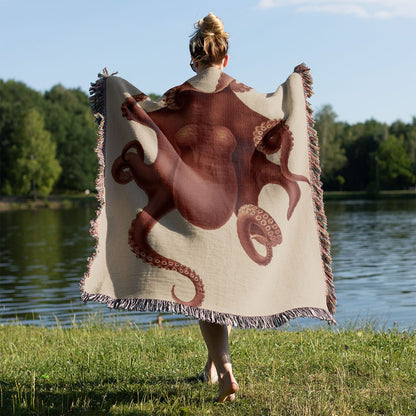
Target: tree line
{"type": "Point", "coordinates": [367, 156]}
{"type": "Point", "coordinates": [47, 140]}
{"type": "Point", "coordinates": [47, 143]}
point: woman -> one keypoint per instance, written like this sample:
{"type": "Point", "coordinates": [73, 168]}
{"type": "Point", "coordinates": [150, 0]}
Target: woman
{"type": "Point", "coordinates": [211, 203]}
{"type": "Point", "coordinates": [209, 48]}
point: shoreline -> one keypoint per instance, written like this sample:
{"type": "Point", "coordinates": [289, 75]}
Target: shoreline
{"type": "Point", "coordinates": [66, 201]}
{"type": "Point", "coordinates": [59, 201]}
{"type": "Point", "coordinates": [364, 195]}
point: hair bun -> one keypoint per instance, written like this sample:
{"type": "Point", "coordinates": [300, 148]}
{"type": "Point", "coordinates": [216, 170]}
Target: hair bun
{"type": "Point", "coordinates": [209, 42]}
{"type": "Point", "coordinates": [211, 25]}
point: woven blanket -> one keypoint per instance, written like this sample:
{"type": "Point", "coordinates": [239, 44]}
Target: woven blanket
{"type": "Point", "coordinates": [210, 202]}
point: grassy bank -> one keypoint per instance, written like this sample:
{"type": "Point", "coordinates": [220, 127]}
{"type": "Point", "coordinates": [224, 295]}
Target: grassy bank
{"type": "Point", "coordinates": [12, 203]}
{"type": "Point", "coordinates": [108, 370]}
{"type": "Point", "coordinates": [344, 195]}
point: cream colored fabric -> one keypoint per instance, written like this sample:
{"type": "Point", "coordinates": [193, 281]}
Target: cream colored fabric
{"type": "Point", "coordinates": [236, 289]}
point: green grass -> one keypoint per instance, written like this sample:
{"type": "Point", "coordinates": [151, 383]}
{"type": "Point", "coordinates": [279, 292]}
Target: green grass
{"type": "Point", "coordinates": [108, 369]}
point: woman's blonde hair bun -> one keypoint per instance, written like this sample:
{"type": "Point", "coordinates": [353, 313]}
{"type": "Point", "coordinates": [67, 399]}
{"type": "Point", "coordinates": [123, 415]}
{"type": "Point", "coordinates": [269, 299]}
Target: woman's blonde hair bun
{"type": "Point", "coordinates": [209, 42]}
{"type": "Point", "coordinates": [211, 25]}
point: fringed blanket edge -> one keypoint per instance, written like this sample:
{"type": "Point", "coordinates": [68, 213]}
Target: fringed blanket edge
{"type": "Point", "coordinates": [245, 322]}
{"type": "Point", "coordinates": [317, 192]}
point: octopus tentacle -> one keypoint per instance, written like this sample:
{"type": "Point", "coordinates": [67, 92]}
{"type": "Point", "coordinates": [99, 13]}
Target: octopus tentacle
{"type": "Point", "coordinates": [138, 242]}
{"type": "Point", "coordinates": [269, 137]}
{"type": "Point", "coordinates": [287, 146]}
{"type": "Point", "coordinates": [121, 169]}
{"type": "Point", "coordinates": [253, 223]}
{"type": "Point", "coordinates": [266, 137]}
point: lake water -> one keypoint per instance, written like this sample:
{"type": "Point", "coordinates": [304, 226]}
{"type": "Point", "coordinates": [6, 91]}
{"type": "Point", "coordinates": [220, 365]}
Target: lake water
{"type": "Point", "coordinates": [43, 257]}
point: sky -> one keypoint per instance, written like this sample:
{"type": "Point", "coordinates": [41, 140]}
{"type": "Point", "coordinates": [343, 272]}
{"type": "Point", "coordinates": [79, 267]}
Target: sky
{"type": "Point", "coordinates": [362, 53]}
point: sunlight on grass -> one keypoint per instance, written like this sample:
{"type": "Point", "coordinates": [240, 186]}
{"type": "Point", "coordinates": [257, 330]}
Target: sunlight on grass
{"type": "Point", "coordinates": [119, 369]}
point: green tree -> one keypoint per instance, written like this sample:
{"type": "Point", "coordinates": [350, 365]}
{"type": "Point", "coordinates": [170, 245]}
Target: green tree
{"type": "Point", "coordinates": [8, 122]}
{"type": "Point", "coordinates": [408, 134]}
{"type": "Point", "coordinates": [14, 92]}
{"type": "Point", "coordinates": [154, 97]}
{"type": "Point", "coordinates": [15, 97]}
{"type": "Point", "coordinates": [71, 123]}
{"type": "Point", "coordinates": [361, 142]}
{"type": "Point", "coordinates": [394, 164]}
{"type": "Point", "coordinates": [34, 165]}
{"type": "Point", "coordinates": [332, 154]}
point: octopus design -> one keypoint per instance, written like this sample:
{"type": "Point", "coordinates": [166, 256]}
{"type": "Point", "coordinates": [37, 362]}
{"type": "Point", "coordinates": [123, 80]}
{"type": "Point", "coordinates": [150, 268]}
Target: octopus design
{"type": "Point", "coordinates": [211, 162]}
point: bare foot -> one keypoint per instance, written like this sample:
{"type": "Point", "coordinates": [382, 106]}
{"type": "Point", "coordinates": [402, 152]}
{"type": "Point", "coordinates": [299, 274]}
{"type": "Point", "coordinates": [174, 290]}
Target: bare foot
{"type": "Point", "coordinates": [228, 388]}
{"type": "Point", "coordinates": [209, 374]}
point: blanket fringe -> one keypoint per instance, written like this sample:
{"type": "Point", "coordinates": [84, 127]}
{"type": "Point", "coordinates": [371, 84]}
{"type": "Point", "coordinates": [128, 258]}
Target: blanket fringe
{"type": "Point", "coordinates": [97, 103]}
{"type": "Point", "coordinates": [245, 322]}
{"type": "Point", "coordinates": [317, 192]}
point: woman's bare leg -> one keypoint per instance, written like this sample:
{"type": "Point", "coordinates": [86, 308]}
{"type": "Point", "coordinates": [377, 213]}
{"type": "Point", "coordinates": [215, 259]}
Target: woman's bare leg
{"type": "Point", "coordinates": [216, 339]}
{"type": "Point", "coordinates": [209, 373]}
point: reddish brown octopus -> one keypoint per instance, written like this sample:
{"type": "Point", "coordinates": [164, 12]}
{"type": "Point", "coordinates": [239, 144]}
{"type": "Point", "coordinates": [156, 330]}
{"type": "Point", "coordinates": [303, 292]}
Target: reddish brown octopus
{"type": "Point", "coordinates": [211, 163]}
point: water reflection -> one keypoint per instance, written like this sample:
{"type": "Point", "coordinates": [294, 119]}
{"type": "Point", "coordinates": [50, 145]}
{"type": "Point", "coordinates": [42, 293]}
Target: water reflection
{"type": "Point", "coordinates": [374, 260]}
{"type": "Point", "coordinates": [43, 257]}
